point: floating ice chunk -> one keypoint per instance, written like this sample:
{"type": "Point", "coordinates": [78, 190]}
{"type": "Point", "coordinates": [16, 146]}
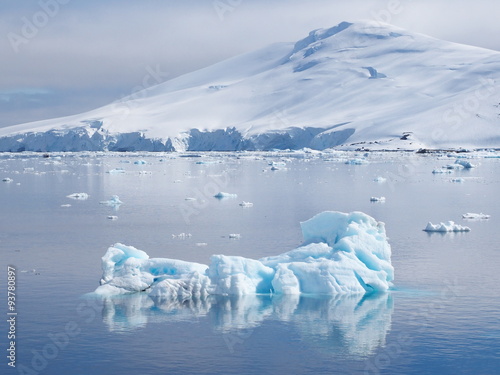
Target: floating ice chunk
{"type": "Point", "coordinates": [448, 226]}
{"type": "Point", "coordinates": [342, 254]}
{"type": "Point", "coordinates": [356, 162]}
{"type": "Point", "coordinates": [78, 196]}
{"type": "Point", "coordinates": [114, 201]}
{"type": "Point", "coordinates": [454, 166]}
{"type": "Point", "coordinates": [201, 244]}
{"type": "Point", "coordinates": [182, 236]}
{"type": "Point", "coordinates": [235, 236]}
{"type": "Point", "coordinates": [464, 163]}
{"type": "Point", "coordinates": [145, 172]}
{"type": "Point", "coordinates": [116, 171]}
{"type": "Point", "coordinates": [380, 179]}
{"type": "Point", "coordinates": [65, 205]}
{"type": "Point", "coordinates": [473, 216]}
{"type": "Point", "coordinates": [7, 179]}
{"type": "Point", "coordinates": [246, 204]}
{"type": "Point", "coordinates": [112, 217]}
{"type": "Point", "coordinates": [222, 195]}
{"type": "Point", "coordinates": [189, 199]}
{"type": "Point", "coordinates": [128, 270]}
{"type": "Point", "coordinates": [377, 199]}
{"type": "Point", "coordinates": [140, 162]}
{"type": "Point", "coordinates": [458, 180]}
{"type": "Point", "coordinates": [442, 170]}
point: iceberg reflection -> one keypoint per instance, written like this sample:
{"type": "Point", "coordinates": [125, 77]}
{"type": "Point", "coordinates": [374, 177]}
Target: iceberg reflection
{"type": "Point", "coordinates": [354, 325]}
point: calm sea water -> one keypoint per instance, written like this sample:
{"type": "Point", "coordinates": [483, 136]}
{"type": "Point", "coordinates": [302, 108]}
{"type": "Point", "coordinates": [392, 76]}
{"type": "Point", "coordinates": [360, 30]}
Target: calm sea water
{"type": "Point", "coordinates": [441, 318]}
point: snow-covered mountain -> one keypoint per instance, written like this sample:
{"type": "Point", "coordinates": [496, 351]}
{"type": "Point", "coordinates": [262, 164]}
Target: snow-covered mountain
{"type": "Point", "coordinates": [355, 85]}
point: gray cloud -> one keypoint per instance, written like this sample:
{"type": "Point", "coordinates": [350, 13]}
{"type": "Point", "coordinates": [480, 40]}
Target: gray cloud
{"type": "Point", "coordinates": [87, 54]}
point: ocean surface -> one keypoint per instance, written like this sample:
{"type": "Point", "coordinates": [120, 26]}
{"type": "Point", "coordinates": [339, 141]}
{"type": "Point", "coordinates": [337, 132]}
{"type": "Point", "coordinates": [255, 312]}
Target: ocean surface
{"type": "Point", "coordinates": [442, 316]}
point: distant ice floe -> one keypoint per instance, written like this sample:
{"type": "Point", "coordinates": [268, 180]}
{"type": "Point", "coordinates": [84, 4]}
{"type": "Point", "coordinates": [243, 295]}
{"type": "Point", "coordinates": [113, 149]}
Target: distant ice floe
{"type": "Point", "coordinates": [78, 196]}
{"type": "Point", "coordinates": [112, 217]}
{"type": "Point", "coordinates": [459, 180]}
{"type": "Point", "coordinates": [182, 236]}
{"type": "Point", "coordinates": [357, 162]}
{"type": "Point", "coordinates": [246, 204]}
{"type": "Point", "coordinates": [7, 179]}
{"type": "Point", "coordinates": [380, 179]}
{"type": "Point", "coordinates": [442, 170]}
{"type": "Point", "coordinates": [116, 171]}
{"type": "Point", "coordinates": [473, 216]}
{"type": "Point", "coordinates": [113, 202]}
{"type": "Point", "coordinates": [222, 195]}
{"type": "Point", "coordinates": [465, 164]}
{"type": "Point", "coordinates": [377, 199]}
{"type": "Point", "coordinates": [235, 236]}
{"type": "Point", "coordinates": [65, 205]}
{"type": "Point", "coordinates": [448, 226]}
{"type": "Point", "coordinates": [140, 162]}
{"type": "Point", "coordinates": [341, 254]}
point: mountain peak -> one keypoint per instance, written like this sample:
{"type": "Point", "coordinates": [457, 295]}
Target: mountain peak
{"type": "Point", "coordinates": [360, 84]}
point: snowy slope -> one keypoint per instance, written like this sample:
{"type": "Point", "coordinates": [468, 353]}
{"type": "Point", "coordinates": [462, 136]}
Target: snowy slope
{"type": "Point", "coordinates": [362, 84]}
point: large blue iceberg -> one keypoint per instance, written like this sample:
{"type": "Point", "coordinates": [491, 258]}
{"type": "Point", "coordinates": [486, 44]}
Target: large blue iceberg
{"type": "Point", "coordinates": [341, 254]}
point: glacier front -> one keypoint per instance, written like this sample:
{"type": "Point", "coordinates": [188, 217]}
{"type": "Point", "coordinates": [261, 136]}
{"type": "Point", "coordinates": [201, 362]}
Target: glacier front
{"type": "Point", "coordinates": [342, 253]}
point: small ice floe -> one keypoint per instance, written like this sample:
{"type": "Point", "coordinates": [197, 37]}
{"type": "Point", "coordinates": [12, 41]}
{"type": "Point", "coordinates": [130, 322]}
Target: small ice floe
{"type": "Point", "coordinates": [116, 171]}
{"type": "Point", "coordinates": [222, 195]}
{"type": "Point", "coordinates": [181, 236]}
{"type": "Point", "coordinates": [442, 170]}
{"type": "Point", "coordinates": [380, 179]}
{"type": "Point", "coordinates": [454, 166]}
{"type": "Point", "coordinates": [449, 226]}
{"type": "Point", "coordinates": [356, 162]}
{"type": "Point", "coordinates": [140, 162]}
{"type": "Point", "coordinates": [114, 201]}
{"type": "Point", "coordinates": [458, 180]}
{"type": "Point", "coordinates": [246, 204]}
{"type": "Point", "coordinates": [65, 205]}
{"type": "Point", "coordinates": [189, 199]}
{"type": "Point", "coordinates": [112, 217]}
{"type": "Point", "coordinates": [473, 216]}
{"type": "Point", "coordinates": [78, 196]}
{"type": "Point", "coordinates": [377, 199]}
{"type": "Point", "coordinates": [277, 163]}
{"type": "Point", "coordinates": [235, 236]}
{"type": "Point", "coordinates": [464, 163]}
{"type": "Point", "coordinates": [145, 172]}
{"type": "Point", "coordinates": [7, 179]}
{"type": "Point", "coordinates": [201, 244]}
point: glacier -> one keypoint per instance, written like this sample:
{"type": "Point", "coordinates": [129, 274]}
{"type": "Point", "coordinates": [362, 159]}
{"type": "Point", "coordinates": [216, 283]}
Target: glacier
{"type": "Point", "coordinates": [360, 85]}
{"type": "Point", "coordinates": [342, 253]}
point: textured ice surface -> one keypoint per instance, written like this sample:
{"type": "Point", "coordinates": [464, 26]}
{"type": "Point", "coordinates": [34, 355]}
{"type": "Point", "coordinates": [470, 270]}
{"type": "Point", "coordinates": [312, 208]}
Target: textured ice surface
{"type": "Point", "coordinates": [341, 254]}
{"type": "Point", "coordinates": [79, 196]}
{"type": "Point", "coordinates": [448, 226]}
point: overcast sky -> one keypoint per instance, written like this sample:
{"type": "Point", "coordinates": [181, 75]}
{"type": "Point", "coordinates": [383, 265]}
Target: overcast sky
{"type": "Point", "coordinates": [62, 57]}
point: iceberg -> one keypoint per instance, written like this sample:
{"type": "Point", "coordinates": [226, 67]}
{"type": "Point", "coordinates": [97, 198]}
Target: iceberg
{"type": "Point", "coordinates": [78, 196]}
{"type": "Point", "coordinates": [113, 202]}
{"type": "Point", "coordinates": [222, 195]}
{"type": "Point", "coordinates": [7, 179]}
{"type": "Point", "coordinates": [473, 216]}
{"type": "Point", "coordinates": [377, 199]}
{"type": "Point", "coordinates": [449, 226]}
{"type": "Point", "coordinates": [342, 253]}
